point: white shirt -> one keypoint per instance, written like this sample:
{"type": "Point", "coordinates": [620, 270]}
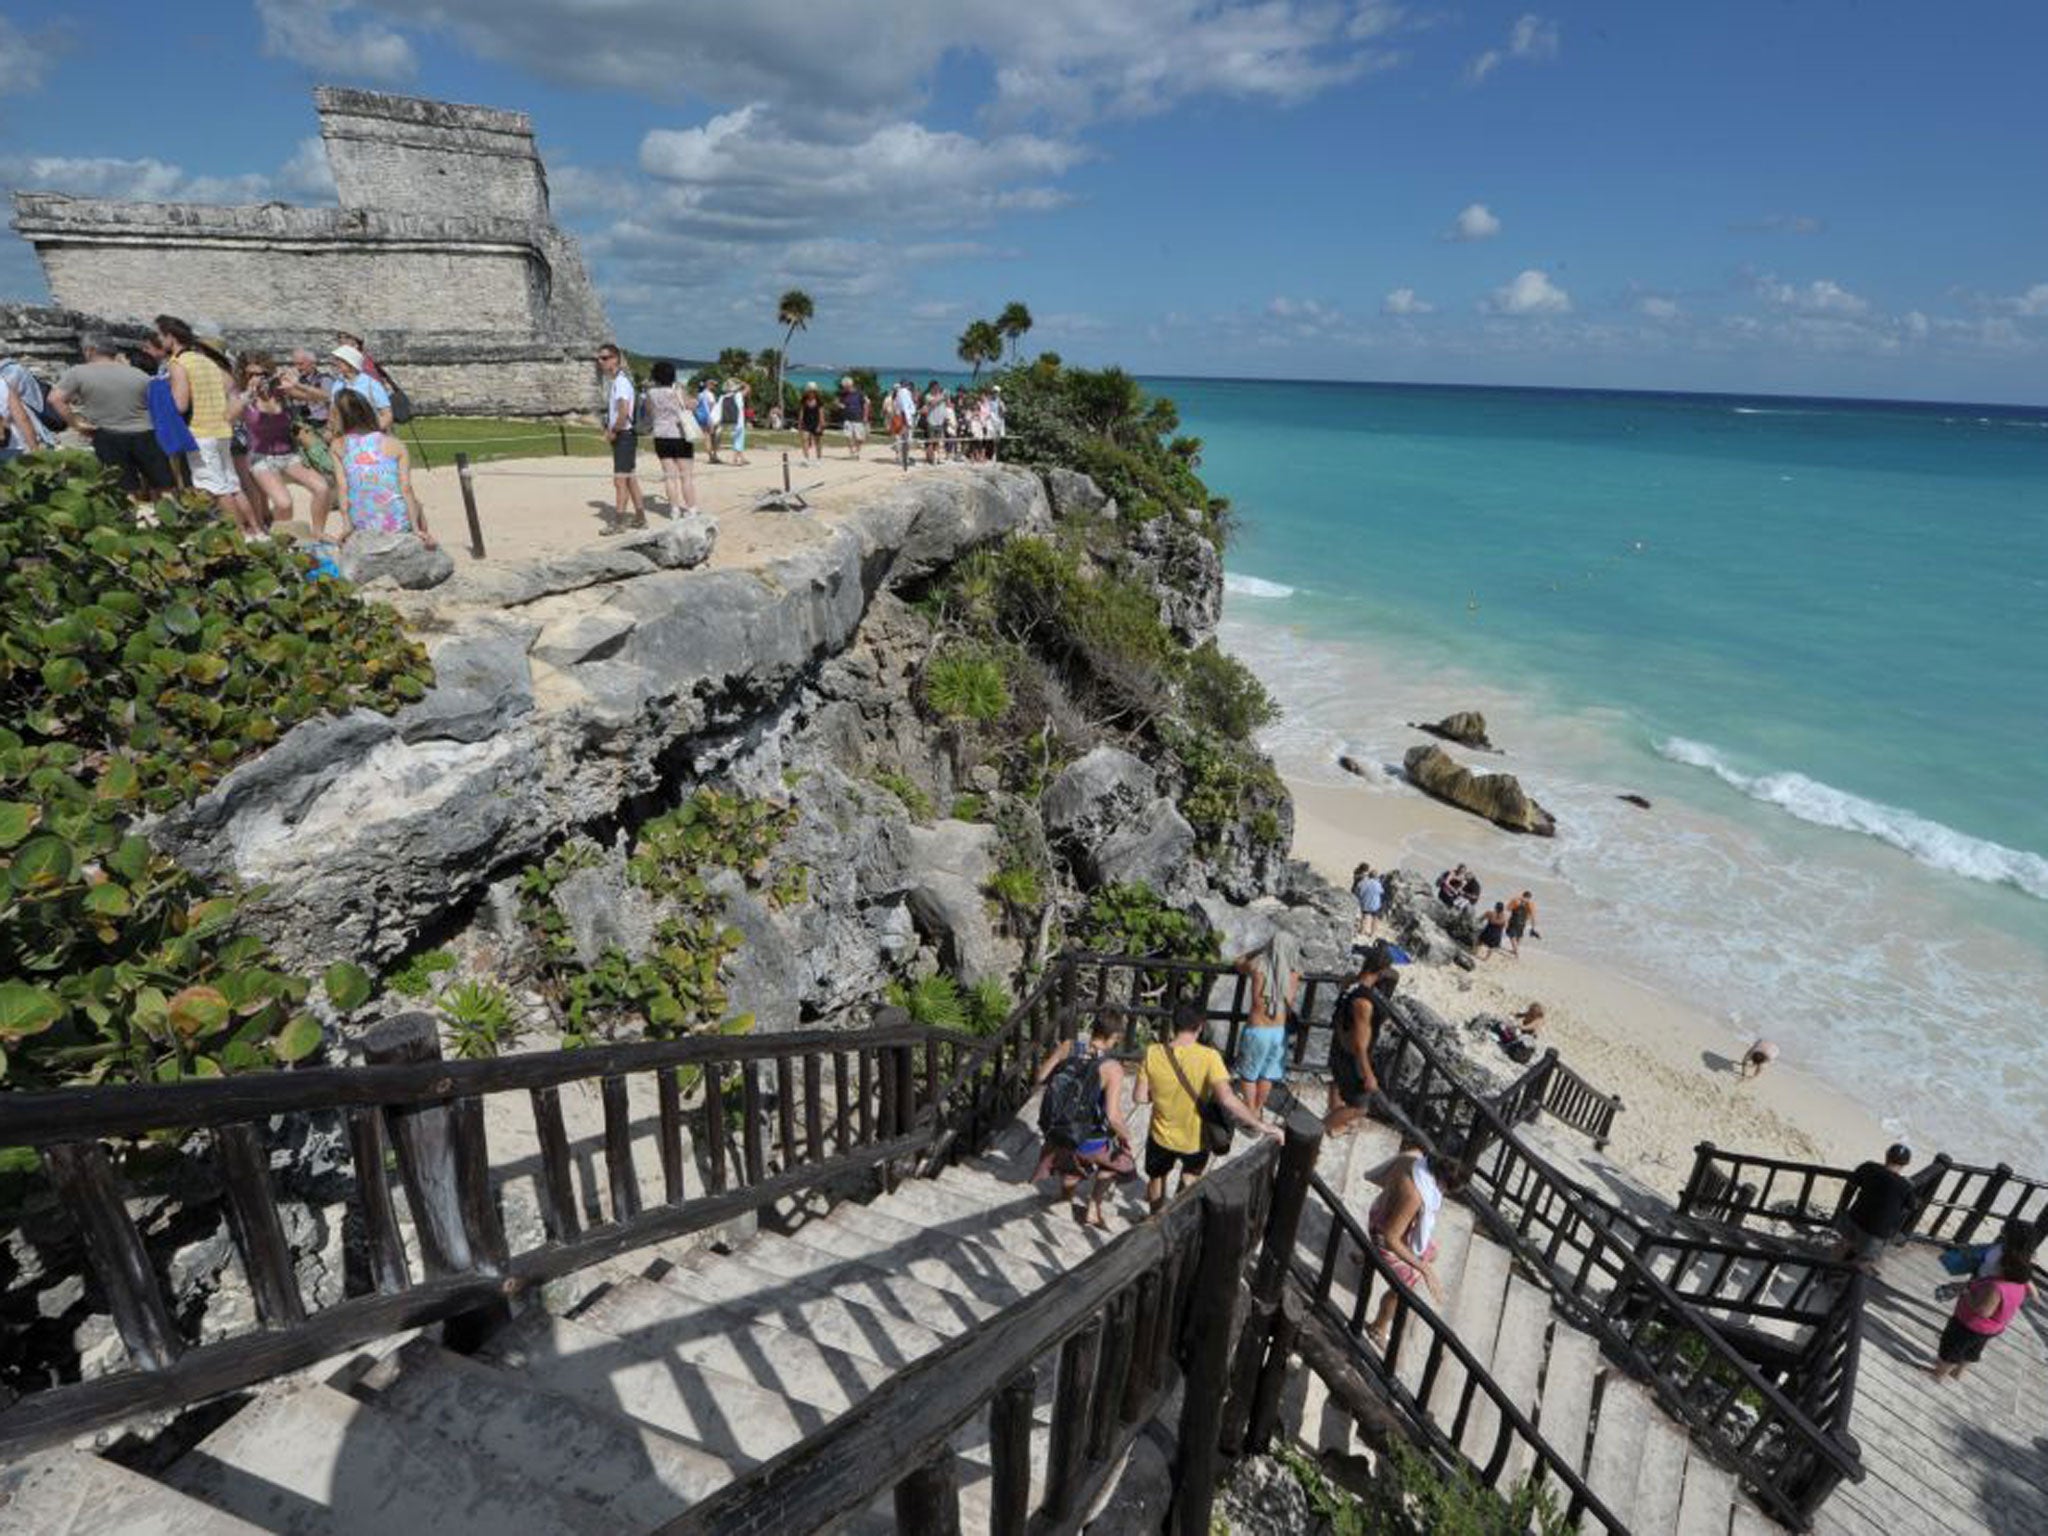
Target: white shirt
{"type": "Point", "coordinates": [906, 402]}
{"type": "Point", "coordinates": [12, 437]}
{"type": "Point", "coordinates": [620, 389]}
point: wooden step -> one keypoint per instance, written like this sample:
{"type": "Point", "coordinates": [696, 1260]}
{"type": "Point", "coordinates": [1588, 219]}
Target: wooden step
{"type": "Point", "coordinates": [1663, 1473]}
{"type": "Point", "coordinates": [1624, 1414]}
{"type": "Point", "coordinates": [986, 1273]}
{"type": "Point", "coordinates": [1566, 1407]}
{"type": "Point", "coordinates": [735, 1420]}
{"type": "Point", "coordinates": [660, 1323]}
{"type": "Point", "coordinates": [306, 1460]}
{"type": "Point", "coordinates": [639, 1475]}
{"type": "Point", "coordinates": [1053, 1216]}
{"type": "Point", "coordinates": [74, 1493]}
{"type": "Point", "coordinates": [948, 1312]}
{"type": "Point", "coordinates": [799, 1307]}
{"type": "Point", "coordinates": [1473, 1310]}
{"type": "Point", "coordinates": [1519, 1352]}
{"type": "Point", "coordinates": [1018, 1232]}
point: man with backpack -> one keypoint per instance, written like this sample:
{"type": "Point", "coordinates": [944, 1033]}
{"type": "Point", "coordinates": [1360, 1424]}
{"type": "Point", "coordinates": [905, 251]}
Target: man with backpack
{"type": "Point", "coordinates": [1081, 1118]}
{"type": "Point", "coordinates": [44, 421]}
{"type": "Point", "coordinates": [1188, 1087]}
{"type": "Point", "coordinates": [621, 401]}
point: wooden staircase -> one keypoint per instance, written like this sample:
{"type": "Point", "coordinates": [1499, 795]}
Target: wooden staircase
{"type": "Point", "coordinates": [1606, 1426]}
{"type": "Point", "coordinates": [678, 1370]}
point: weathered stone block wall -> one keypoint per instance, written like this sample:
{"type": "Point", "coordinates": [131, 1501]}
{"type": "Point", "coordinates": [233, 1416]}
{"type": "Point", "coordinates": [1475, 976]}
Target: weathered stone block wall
{"type": "Point", "coordinates": [320, 287]}
{"type": "Point", "coordinates": [442, 254]}
{"type": "Point", "coordinates": [403, 154]}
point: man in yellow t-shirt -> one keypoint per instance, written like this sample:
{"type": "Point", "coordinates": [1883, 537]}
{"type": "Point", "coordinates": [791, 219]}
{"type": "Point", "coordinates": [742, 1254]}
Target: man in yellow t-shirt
{"type": "Point", "coordinates": [1175, 1136]}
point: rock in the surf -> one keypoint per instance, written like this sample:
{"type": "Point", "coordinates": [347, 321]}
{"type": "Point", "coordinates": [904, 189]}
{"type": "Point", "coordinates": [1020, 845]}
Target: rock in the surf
{"type": "Point", "coordinates": [1467, 728]}
{"type": "Point", "coordinates": [1499, 797]}
{"type": "Point", "coordinates": [1638, 801]}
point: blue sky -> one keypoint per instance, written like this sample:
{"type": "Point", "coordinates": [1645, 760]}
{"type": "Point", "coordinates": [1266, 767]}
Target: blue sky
{"type": "Point", "coordinates": [1801, 195]}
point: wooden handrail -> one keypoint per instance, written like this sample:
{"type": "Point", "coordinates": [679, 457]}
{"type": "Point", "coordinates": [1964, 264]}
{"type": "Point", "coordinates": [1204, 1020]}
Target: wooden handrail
{"type": "Point", "coordinates": [73, 1114]}
{"type": "Point", "coordinates": [904, 1423]}
{"type": "Point", "coordinates": [1315, 1282]}
{"type": "Point", "coordinates": [1575, 1220]}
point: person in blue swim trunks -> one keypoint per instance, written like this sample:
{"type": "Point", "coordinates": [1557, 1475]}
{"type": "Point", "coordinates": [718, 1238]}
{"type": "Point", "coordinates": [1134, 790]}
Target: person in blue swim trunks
{"type": "Point", "coordinates": [1275, 972]}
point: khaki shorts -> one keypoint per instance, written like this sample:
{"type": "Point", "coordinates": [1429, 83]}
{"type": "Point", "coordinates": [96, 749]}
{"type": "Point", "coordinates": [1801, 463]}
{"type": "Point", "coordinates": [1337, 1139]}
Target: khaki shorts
{"type": "Point", "coordinates": [856, 431]}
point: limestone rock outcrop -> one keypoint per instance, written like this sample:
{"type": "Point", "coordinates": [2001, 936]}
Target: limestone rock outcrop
{"type": "Point", "coordinates": [548, 713]}
{"type": "Point", "coordinates": [1467, 728]}
{"type": "Point", "coordinates": [1106, 812]}
{"type": "Point", "coordinates": [372, 558]}
{"type": "Point", "coordinates": [1499, 797]}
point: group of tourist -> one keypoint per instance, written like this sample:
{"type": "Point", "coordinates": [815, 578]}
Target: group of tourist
{"type": "Point", "coordinates": [175, 411]}
{"type": "Point", "coordinates": [965, 424]}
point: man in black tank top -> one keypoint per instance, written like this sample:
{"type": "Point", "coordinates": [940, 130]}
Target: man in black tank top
{"type": "Point", "coordinates": [1353, 1028]}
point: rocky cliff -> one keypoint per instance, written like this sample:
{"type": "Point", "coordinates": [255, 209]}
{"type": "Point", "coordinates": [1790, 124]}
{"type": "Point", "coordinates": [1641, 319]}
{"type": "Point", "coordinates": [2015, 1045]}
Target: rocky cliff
{"type": "Point", "coordinates": [580, 695]}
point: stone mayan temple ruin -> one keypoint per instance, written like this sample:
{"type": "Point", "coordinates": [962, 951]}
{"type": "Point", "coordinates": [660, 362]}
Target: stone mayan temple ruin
{"type": "Point", "coordinates": [442, 253]}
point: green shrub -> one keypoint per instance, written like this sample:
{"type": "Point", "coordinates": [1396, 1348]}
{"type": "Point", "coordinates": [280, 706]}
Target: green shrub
{"type": "Point", "coordinates": [909, 792]}
{"type": "Point", "coordinates": [1135, 920]}
{"type": "Point", "coordinates": [480, 1018]}
{"type": "Point", "coordinates": [988, 1006]}
{"type": "Point", "coordinates": [137, 666]}
{"type": "Point", "coordinates": [933, 1001]}
{"type": "Point", "coordinates": [1416, 1497]}
{"type": "Point", "coordinates": [968, 807]}
{"type": "Point", "coordinates": [415, 978]}
{"type": "Point", "coordinates": [1222, 693]}
{"type": "Point", "coordinates": [677, 988]}
{"type": "Point", "coordinates": [1227, 785]}
{"type": "Point", "coordinates": [1017, 885]}
{"type": "Point", "coordinates": [967, 686]}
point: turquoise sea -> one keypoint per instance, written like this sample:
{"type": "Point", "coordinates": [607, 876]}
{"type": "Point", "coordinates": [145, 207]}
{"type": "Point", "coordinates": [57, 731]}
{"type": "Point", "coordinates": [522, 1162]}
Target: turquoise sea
{"type": "Point", "coordinates": [1813, 632]}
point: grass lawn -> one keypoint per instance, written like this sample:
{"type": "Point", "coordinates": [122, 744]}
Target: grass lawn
{"type": "Point", "coordinates": [435, 440]}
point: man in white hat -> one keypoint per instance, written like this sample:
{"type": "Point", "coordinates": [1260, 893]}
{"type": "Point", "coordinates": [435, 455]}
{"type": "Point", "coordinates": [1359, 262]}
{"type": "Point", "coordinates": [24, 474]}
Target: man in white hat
{"type": "Point", "coordinates": [996, 424]}
{"type": "Point", "coordinates": [354, 376]}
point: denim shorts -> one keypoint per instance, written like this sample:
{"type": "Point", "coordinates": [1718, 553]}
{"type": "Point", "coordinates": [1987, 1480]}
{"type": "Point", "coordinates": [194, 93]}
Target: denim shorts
{"type": "Point", "coordinates": [1262, 1054]}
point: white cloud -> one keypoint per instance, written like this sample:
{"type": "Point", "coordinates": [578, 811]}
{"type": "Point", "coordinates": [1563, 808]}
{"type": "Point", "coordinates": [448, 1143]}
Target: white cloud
{"type": "Point", "coordinates": [304, 176]}
{"type": "Point", "coordinates": [1530, 293]}
{"type": "Point", "coordinates": [318, 34]}
{"type": "Point", "coordinates": [1475, 221]}
{"type": "Point", "coordinates": [1284, 308]}
{"type": "Point", "coordinates": [22, 59]}
{"type": "Point", "coordinates": [1404, 301]}
{"type": "Point", "coordinates": [1531, 40]}
{"type": "Point", "coordinates": [1063, 62]}
{"type": "Point", "coordinates": [1822, 296]}
{"type": "Point", "coordinates": [1656, 307]}
{"type": "Point", "coordinates": [2033, 303]}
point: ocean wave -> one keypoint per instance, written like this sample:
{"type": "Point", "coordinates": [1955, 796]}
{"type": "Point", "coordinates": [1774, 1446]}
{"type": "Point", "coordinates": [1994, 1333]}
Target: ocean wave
{"type": "Point", "coordinates": [1929, 842]}
{"type": "Point", "coordinates": [1254, 586]}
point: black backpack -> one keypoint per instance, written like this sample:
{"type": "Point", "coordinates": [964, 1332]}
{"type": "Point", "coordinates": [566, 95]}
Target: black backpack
{"type": "Point", "coordinates": [401, 402]}
{"type": "Point", "coordinates": [1070, 1110]}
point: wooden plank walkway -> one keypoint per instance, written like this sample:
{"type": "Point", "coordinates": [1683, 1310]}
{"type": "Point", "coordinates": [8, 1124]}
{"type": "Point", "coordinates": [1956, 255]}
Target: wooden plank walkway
{"type": "Point", "coordinates": [1943, 1457]}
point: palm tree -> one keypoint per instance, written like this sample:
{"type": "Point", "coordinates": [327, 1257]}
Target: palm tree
{"type": "Point", "coordinates": [1012, 323]}
{"type": "Point", "coordinates": [980, 343]}
{"type": "Point", "coordinates": [793, 313]}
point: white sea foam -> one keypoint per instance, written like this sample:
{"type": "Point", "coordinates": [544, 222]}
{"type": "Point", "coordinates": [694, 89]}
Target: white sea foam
{"type": "Point", "coordinates": [1254, 586]}
{"type": "Point", "coordinates": [1937, 846]}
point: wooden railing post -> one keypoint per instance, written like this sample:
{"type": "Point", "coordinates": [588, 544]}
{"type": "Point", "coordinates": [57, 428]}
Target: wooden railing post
{"type": "Point", "coordinates": [1010, 1455]}
{"type": "Point", "coordinates": [1073, 1393]}
{"type": "Point", "coordinates": [1980, 1209]}
{"type": "Point", "coordinates": [1695, 1191]}
{"type": "Point", "coordinates": [1212, 1315]}
{"type": "Point", "coordinates": [1291, 1174]}
{"type": "Point", "coordinates": [424, 1139]}
{"type": "Point", "coordinates": [928, 1500]}
{"type": "Point", "coordinates": [84, 1181]}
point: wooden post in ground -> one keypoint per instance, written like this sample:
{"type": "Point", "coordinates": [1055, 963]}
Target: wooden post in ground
{"type": "Point", "coordinates": [1283, 1222]}
{"type": "Point", "coordinates": [1212, 1309]}
{"type": "Point", "coordinates": [562, 434]}
{"type": "Point", "coordinates": [476, 527]}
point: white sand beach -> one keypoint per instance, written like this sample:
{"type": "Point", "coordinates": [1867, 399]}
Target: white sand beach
{"type": "Point", "coordinates": [1670, 1060]}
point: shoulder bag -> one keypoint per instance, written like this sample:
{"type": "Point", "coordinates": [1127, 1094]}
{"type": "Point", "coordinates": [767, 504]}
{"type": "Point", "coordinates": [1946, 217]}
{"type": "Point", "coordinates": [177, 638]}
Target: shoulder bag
{"type": "Point", "coordinates": [1217, 1131]}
